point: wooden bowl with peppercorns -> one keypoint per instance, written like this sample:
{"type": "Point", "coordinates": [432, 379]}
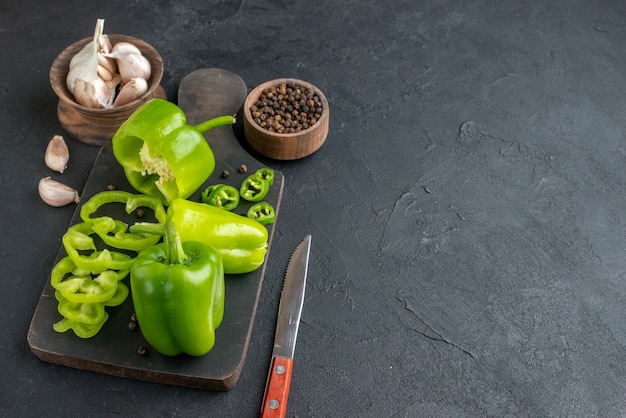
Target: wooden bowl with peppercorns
{"type": "Point", "coordinates": [286, 119]}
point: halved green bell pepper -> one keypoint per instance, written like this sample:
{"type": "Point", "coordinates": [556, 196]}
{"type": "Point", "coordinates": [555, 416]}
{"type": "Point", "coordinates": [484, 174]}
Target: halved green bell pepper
{"type": "Point", "coordinates": [161, 154]}
{"type": "Point", "coordinates": [242, 242]}
{"type": "Point", "coordinates": [178, 294]}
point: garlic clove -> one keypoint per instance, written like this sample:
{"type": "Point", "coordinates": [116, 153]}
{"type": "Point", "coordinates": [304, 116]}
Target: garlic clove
{"type": "Point", "coordinates": [131, 91]}
{"type": "Point", "coordinates": [84, 65]}
{"type": "Point", "coordinates": [57, 154]}
{"type": "Point", "coordinates": [95, 94]}
{"type": "Point", "coordinates": [107, 63]}
{"type": "Point", "coordinates": [56, 194]}
{"type": "Point", "coordinates": [104, 73]}
{"type": "Point", "coordinates": [130, 62]}
{"type": "Point", "coordinates": [105, 43]}
{"type": "Point", "coordinates": [133, 66]}
{"type": "Point", "coordinates": [122, 48]}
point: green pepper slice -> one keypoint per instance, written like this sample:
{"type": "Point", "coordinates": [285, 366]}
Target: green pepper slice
{"type": "Point", "coordinates": [254, 188]}
{"type": "Point", "coordinates": [115, 232]}
{"type": "Point", "coordinates": [267, 174]}
{"type": "Point", "coordinates": [262, 212]}
{"type": "Point", "coordinates": [82, 287]}
{"type": "Point", "coordinates": [81, 329]}
{"type": "Point", "coordinates": [91, 313]}
{"type": "Point", "coordinates": [79, 286]}
{"type": "Point", "coordinates": [78, 238]}
{"type": "Point", "coordinates": [82, 299]}
{"type": "Point", "coordinates": [222, 196]}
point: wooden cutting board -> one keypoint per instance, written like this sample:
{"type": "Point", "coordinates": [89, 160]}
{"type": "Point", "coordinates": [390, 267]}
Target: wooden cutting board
{"type": "Point", "coordinates": [203, 94]}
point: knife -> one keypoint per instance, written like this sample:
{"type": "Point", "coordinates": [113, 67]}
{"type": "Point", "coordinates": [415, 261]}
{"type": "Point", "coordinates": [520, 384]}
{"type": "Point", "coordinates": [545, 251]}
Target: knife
{"type": "Point", "coordinates": [289, 310]}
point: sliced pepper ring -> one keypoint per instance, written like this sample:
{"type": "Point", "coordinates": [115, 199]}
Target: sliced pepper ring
{"type": "Point", "coordinates": [81, 329]}
{"type": "Point", "coordinates": [222, 196]}
{"type": "Point", "coordinates": [267, 174]}
{"type": "Point", "coordinates": [90, 313]}
{"type": "Point", "coordinates": [79, 286]}
{"type": "Point", "coordinates": [254, 188]}
{"type": "Point", "coordinates": [115, 232]}
{"type": "Point", "coordinates": [262, 212]}
{"type": "Point", "coordinates": [78, 238]}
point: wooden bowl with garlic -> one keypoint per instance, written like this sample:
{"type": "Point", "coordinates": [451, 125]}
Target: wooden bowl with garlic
{"type": "Point", "coordinates": [101, 81]}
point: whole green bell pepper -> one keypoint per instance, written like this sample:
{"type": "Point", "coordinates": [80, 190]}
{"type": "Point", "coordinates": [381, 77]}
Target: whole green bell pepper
{"type": "Point", "coordinates": [242, 242]}
{"type": "Point", "coordinates": [178, 294]}
{"type": "Point", "coordinates": [161, 154]}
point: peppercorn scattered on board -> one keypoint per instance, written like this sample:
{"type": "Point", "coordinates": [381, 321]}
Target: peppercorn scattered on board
{"type": "Point", "coordinates": [120, 350]}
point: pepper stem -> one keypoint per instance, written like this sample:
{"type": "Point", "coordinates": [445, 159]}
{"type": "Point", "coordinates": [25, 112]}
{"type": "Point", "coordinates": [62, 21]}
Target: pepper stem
{"type": "Point", "coordinates": [215, 122]}
{"type": "Point", "coordinates": [148, 228]}
{"type": "Point", "coordinates": [174, 245]}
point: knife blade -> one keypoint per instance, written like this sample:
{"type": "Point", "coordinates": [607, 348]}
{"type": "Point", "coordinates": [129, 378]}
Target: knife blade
{"type": "Point", "coordinates": [289, 311]}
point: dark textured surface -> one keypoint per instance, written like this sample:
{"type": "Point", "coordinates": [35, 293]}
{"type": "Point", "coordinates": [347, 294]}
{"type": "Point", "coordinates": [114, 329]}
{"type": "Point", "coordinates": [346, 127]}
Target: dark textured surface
{"type": "Point", "coordinates": [467, 209]}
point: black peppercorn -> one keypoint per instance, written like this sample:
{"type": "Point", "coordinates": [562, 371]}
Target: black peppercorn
{"type": "Point", "coordinates": [278, 106]}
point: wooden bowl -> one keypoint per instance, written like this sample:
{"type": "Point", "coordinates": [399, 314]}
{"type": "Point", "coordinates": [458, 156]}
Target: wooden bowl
{"type": "Point", "coordinates": [285, 146]}
{"type": "Point", "coordinates": [97, 126]}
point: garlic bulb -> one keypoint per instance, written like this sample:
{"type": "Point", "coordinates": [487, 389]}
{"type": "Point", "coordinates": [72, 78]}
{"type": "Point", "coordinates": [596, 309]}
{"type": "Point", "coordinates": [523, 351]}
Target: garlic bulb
{"type": "Point", "coordinates": [83, 79]}
{"type": "Point", "coordinates": [56, 194]}
{"type": "Point", "coordinates": [57, 154]}
{"type": "Point", "coordinates": [130, 62]}
{"type": "Point", "coordinates": [84, 65]}
{"type": "Point", "coordinates": [131, 91]}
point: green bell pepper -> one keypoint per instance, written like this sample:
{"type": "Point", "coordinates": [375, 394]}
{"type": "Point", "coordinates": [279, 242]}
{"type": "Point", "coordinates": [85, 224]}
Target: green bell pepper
{"type": "Point", "coordinates": [163, 156]}
{"type": "Point", "coordinates": [242, 242]}
{"type": "Point", "coordinates": [178, 294]}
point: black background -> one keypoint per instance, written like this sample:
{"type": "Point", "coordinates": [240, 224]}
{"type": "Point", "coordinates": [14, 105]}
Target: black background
{"type": "Point", "coordinates": [467, 208]}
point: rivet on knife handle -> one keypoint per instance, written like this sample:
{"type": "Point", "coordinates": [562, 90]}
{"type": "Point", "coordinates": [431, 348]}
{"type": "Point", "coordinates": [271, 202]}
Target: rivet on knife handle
{"type": "Point", "coordinates": [277, 389]}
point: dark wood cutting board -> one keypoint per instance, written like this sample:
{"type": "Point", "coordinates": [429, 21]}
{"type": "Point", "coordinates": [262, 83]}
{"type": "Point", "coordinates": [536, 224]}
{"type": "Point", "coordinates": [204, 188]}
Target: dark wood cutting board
{"type": "Point", "coordinates": [203, 94]}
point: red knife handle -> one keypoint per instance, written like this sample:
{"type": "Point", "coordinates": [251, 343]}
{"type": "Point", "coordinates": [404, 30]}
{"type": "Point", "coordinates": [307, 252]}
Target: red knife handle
{"type": "Point", "coordinates": [277, 389]}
